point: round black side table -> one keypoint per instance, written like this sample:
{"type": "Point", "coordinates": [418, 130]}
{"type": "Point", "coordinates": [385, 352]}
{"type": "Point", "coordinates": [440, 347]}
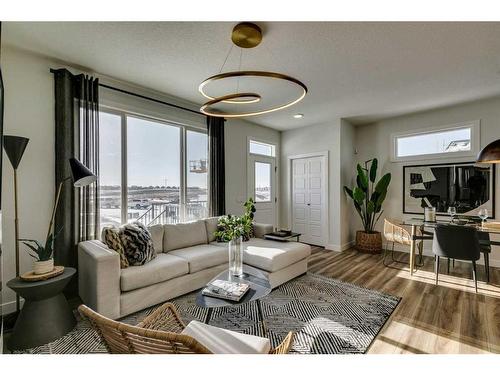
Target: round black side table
{"type": "Point", "coordinates": [45, 315]}
{"type": "Point", "coordinates": [259, 288]}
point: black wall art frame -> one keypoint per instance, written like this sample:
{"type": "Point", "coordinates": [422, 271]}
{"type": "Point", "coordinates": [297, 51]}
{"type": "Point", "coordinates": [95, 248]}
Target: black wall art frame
{"type": "Point", "coordinates": [468, 186]}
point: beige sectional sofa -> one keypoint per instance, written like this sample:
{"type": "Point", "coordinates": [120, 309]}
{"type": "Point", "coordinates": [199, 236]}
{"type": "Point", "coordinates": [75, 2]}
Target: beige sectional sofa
{"type": "Point", "coordinates": [187, 258]}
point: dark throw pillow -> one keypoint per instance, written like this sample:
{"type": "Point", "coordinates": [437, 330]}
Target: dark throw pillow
{"type": "Point", "coordinates": [137, 243]}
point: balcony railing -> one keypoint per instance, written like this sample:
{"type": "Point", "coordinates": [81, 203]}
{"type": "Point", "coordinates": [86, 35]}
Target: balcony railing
{"type": "Point", "coordinates": [170, 213]}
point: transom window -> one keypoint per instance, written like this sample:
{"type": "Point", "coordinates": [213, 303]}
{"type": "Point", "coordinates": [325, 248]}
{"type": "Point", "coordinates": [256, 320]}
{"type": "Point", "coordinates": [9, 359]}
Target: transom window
{"type": "Point", "coordinates": [151, 171]}
{"type": "Point", "coordinates": [261, 148]}
{"type": "Point", "coordinates": [459, 140]}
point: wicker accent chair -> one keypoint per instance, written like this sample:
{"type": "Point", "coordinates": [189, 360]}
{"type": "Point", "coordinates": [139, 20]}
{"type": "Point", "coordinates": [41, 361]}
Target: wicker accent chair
{"type": "Point", "coordinates": [393, 234]}
{"type": "Point", "coordinates": [158, 333]}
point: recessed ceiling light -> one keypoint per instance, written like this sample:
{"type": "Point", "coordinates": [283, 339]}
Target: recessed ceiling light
{"type": "Point", "coordinates": [298, 115]}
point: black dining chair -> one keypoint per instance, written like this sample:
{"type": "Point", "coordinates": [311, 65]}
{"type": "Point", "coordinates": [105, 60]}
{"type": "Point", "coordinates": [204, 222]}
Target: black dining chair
{"type": "Point", "coordinates": [485, 248]}
{"type": "Point", "coordinates": [456, 242]}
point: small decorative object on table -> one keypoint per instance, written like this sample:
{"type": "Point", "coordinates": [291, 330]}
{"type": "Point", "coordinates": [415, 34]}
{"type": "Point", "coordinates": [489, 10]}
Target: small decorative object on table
{"type": "Point", "coordinates": [44, 263]}
{"type": "Point", "coordinates": [282, 236]}
{"type": "Point", "coordinates": [452, 211]}
{"type": "Point", "coordinates": [32, 276]}
{"type": "Point", "coordinates": [282, 233]}
{"type": "Point", "coordinates": [483, 215]}
{"type": "Point", "coordinates": [430, 214]}
{"type": "Point", "coordinates": [229, 290]}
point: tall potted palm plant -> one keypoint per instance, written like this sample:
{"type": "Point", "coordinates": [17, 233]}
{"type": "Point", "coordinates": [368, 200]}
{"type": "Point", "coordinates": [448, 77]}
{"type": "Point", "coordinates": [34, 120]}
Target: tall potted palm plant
{"type": "Point", "coordinates": [368, 196]}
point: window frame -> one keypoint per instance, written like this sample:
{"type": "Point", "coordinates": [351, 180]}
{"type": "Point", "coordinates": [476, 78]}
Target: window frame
{"type": "Point", "coordinates": [265, 143]}
{"type": "Point", "coordinates": [124, 115]}
{"type": "Point", "coordinates": [474, 127]}
{"type": "Point", "coordinates": [270, 164]}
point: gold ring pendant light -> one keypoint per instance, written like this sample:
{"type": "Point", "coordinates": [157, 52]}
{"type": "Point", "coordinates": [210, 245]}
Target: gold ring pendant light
{"type": "Point", "coordinates": [245, 35]}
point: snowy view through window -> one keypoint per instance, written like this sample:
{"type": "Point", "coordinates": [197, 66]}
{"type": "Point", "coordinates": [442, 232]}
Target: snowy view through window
{"type": "Point", "coordinates": [153, 173]}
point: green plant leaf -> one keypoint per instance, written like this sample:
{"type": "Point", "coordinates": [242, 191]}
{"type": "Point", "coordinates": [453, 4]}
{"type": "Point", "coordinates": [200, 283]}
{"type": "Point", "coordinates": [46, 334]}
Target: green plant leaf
{"type": "Point", "coordinates": [383, 183]}
{"type": "Point", "coordinates": [35, 249]}
{"type": "Point", "coordinates": [359, 195]}
{"type": "Point", "coordinates": [370, 208]}
{"type": "Point", "coordinates": [361, 179]}
{"type": "Point", "coordinates": [373, 170]}
{"type": "Point", "coordinates": [381, 199]}
{"type": "Point", "coordinates": [348, 192]}
{"type": "Point", "coordinates": [33, 256]}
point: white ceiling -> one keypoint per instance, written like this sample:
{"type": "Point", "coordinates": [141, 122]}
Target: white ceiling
{"type": "Point", "coordinates": [363, 71]}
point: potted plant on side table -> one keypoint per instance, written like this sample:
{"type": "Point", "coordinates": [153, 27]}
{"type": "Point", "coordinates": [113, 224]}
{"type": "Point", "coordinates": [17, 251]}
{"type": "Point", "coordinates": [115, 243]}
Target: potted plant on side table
{"type": "Point", "coordinates": [368, 196]}
{"type": "Point", "coordinates": [43, 254]}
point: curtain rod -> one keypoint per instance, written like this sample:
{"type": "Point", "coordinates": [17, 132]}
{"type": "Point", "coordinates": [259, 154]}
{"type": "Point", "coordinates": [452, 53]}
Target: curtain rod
{"type": "Point", "coordinates": [150, 99]}
{"type": "Point", "coordinates": [143, 97]}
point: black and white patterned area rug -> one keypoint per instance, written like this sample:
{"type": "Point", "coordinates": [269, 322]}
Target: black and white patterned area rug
{"type": "Point", "coordinates": [329, 317]}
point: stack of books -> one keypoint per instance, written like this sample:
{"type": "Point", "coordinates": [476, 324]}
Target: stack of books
{"type": "Point", "coordinates": [282, 233]}
{"type": "Point", "coordinates": [229, 290]}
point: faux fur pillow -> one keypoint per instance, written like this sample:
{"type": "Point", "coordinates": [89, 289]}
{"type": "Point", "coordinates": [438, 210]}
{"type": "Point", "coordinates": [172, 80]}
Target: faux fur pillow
{"type": "Point", "coordinates": [111, 237]}
{"type": "Point", "coordinates": [137, 243]}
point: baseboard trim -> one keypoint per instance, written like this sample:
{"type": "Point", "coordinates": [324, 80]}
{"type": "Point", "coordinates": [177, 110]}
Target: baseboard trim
{"type": "Point", "coordinates": [340, 248]}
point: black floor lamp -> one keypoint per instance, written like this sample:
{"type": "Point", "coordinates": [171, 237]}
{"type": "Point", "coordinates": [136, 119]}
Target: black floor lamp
{"type": "Point", "coordinates": [81, 177]}
{"type": "Point", "coordinates": [14, 148]}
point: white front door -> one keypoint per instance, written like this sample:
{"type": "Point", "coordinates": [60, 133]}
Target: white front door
{"type": "Point", "coordinates": [262, 187]}
{"type": "Point", "coordinates": [309, 189]}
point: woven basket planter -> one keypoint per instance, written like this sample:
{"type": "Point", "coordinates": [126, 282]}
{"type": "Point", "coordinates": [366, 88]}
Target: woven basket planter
{"type": "Point", "coordinates": [369, 242]}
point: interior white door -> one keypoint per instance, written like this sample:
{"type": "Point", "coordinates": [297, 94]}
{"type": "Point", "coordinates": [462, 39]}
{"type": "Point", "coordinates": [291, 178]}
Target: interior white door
{"type": "Point", "coordinates": [262, 187]}
{"type": "Point", "coordinates": [309, 214]}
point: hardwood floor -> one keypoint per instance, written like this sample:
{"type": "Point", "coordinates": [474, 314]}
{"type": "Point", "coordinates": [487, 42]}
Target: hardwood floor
{"type": "Point", "coordinates": [447, 318]}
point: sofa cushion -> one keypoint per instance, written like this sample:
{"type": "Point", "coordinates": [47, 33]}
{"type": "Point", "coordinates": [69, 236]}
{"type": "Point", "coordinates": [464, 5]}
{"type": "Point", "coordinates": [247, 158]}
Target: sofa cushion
{"type": "Point", "coordinates": [211, 226]}
{"type": "Point", "coordinates": [178, 236]}
{"type": "Point", "coordinates": [137, 243]}
{"type": "Point", "coordinates": [157, 237]}
{"type": "Point", "coordinates": [110, 236]}
{"type": "Point", "coordinates": [223, 341]}
{"type": "Point", "coordinates": [201, 257]}
{"type": "Point", "coordinates": [272, 256]}
{"type": "Point", "coordinates": [162, 268]}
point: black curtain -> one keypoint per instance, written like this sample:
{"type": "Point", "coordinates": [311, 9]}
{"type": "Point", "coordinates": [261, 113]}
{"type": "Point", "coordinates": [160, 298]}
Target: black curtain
{"type": "Point", "coordinates": [76, 135]}
{"type": "Point", "coordinates": [87, 96]}
{"type": "Point", "coordinates": [216, 164]}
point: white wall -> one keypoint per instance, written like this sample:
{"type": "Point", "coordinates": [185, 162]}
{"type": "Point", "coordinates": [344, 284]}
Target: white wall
{"type": "Point", "coordinates": [374, 141]}
{"type": "Point", "coordinates": [29, 112]}
{"type": "Point", "coordinates": [347, 173]}
{"type": "Point", "coordinates": [319, 138]}
{"type": "Point", "coordinates": [236, 133]}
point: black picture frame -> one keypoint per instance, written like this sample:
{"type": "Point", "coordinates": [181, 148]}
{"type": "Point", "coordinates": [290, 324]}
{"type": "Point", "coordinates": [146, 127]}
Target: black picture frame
{"type": "Point", "coordinates": [493, 187]}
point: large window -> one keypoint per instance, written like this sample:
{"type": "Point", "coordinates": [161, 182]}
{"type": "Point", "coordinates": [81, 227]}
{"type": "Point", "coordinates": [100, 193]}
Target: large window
{"type": "Point", "coordinates": [458, 140]}
{"type": "Point", "coordinates": [196, 175]}
{"type": "Point", "coordinates": [151, 171]}
{"type": "Point", "coordinates": [110, 177]}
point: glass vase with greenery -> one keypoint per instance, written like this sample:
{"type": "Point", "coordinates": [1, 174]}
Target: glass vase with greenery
{"type": "Point", "coordinates": [230, 227]}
